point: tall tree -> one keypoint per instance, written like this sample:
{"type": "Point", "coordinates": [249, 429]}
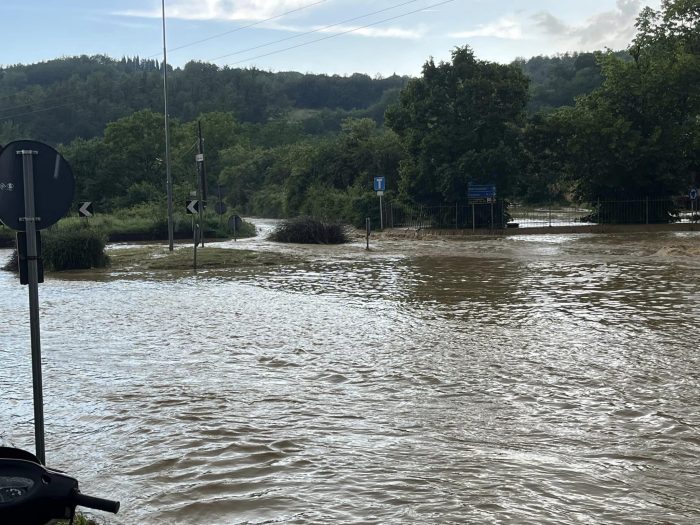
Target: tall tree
{"type": "Point", "coordinates": [460, 122]}
{"type": "Point", "coordinates": [638, 134]}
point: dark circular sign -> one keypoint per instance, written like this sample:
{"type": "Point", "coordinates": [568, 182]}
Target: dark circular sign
{"type": "Point", "coordinates": [220, 207]}
{"type": "Point", "coordinates": [235, 222]}
{"type": "Point", "coordinates": [53, 184]}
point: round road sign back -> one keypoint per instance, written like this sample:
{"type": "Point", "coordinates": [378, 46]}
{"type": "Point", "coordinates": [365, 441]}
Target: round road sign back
{"type": "Point", "coordinates": [53, 185]}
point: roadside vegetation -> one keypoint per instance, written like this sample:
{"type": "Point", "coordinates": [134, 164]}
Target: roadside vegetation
{"type": "Point", "coordinates": [148, 222]}
{"type": "Point", "coordinates": [307, 230]}
{"type": "Point", "coordinates": [68, 250]}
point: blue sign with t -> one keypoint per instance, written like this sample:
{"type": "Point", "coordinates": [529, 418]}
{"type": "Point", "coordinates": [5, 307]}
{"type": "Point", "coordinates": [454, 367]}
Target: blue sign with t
{"type": "Point", "coordinates": [379, 184]}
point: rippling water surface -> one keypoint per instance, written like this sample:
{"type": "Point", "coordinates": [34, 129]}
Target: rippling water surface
{"type": "Point", "coordinates": [544, 379]}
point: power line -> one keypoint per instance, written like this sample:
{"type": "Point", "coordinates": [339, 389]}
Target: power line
{"type": "Point", "coordinates": [313, 31]}
{"type": "Point", "coordinates": [240, 28]}
{"type": "Point", "coordinates": [341, 33]}
{"type": "Point", "coordinates": [10, 117]}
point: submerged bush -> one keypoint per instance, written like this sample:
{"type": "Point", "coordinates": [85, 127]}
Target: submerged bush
{"type": "Point", "coordinates": [69, 250]}
{"type": "Point", "coordinates": [74, 250]}
{"type": "Point", "coordinates": [307, 230]}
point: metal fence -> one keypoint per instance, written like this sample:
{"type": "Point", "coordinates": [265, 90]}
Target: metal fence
{"type": "Point", "coordinates": [498, 215]}
{"type": "Point", "coordinates": [456, 216]}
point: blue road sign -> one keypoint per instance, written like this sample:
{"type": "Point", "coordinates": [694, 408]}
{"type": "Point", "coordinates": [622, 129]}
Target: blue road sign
{"type": "Point", "coordinates": [481, 191]}
{"type": "Point", "coordinates": [693, 194]}
{"type": "Point", "coordinates": [379, 184]}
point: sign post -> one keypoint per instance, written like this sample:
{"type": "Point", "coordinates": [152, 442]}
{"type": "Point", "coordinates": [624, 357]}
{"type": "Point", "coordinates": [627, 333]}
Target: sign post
{"type": "Point", "coordinates": [234, 223]}
{"type": "Point", "coordinates": [481, 194]}
{"type": "Point", "coordinates": [379, 187]}
{"type": "Point", "coordinates": [199, 159]}
{"type": "Point", "coordinates": [36, 190]}
{"type": "Point", "coordinates": [368, 231]}
{"type": "Point", "coordinates": [194, 207]}
{"type": "Point", "coordinates": [30, 219]}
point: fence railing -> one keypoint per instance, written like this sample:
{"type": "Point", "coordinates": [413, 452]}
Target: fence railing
{"type": "Point", "coordinates": [496, 215]}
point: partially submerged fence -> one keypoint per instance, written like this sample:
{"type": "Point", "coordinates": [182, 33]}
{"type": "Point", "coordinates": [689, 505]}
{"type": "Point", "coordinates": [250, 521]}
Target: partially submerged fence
{"type": "Point", "coordinates": [499, 215]}
{"type": "Point", "coordinates": [458, 216]}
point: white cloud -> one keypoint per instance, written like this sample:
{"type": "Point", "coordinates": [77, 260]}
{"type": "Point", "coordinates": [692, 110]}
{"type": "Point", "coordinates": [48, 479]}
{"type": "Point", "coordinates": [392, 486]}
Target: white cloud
{"type": "Point", "coordinates": [221, 9]}
{"type": "Point", "coordinates": [507, 27]}
{"type": "Point", "coordinates": [614, 29]}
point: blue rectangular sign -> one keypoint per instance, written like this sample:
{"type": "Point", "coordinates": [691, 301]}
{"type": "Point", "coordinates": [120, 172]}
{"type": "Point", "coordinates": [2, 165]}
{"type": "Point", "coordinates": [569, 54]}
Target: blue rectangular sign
{"type": "Point", "coordinates": [481, 191]}
{"type": "Point", "coordinates": [379, 184]}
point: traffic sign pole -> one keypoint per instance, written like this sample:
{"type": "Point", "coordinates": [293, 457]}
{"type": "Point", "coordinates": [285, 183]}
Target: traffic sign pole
{"type": "Point", "coordinates": [33, 277]}
{"type": "Point", "coordinates": [381, 213]}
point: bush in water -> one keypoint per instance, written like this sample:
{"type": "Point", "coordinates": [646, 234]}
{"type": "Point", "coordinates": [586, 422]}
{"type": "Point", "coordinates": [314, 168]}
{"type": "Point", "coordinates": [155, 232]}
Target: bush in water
{"type": "Point", "coordinates": [69, 250]}
{"type": "Point", "coordinates": [307, 230]}
{"type": "Point", "coordinates": [74, 250]}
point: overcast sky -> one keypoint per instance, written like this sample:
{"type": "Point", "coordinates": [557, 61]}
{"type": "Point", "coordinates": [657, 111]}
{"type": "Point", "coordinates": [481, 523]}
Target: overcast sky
{"type": "Point", "coordinates": [320, 36]}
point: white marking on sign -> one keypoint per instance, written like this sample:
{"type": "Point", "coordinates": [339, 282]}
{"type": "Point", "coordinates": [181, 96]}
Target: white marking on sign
{"type": "Point", "coordinates": [192, 207]}
{"type": "Point", "coordinates": [84, 211]}
{"type": "Point", "coordinates": [199, 157]}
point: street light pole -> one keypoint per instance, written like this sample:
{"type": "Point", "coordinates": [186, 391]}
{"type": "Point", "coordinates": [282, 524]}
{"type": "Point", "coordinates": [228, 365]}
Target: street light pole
{"type": "Point", "coordinates": [168, 172]}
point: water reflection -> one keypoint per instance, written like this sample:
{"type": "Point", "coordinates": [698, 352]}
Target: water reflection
{"type": "Point", "coordinates": [549, 380]}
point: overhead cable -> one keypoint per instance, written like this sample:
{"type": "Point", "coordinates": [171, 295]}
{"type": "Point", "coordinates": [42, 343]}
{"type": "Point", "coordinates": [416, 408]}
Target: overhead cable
{"type": "Point", "coordinates": [353, 30]}
{"type": "Point", "coordinates": [314, 30]}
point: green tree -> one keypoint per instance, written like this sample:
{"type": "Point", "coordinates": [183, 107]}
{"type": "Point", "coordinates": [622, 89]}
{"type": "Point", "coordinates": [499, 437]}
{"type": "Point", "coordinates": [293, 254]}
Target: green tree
{"type": "Point", "coordinates": [637, 135]}
{"type": "Point", "coordinates": [460, 123]}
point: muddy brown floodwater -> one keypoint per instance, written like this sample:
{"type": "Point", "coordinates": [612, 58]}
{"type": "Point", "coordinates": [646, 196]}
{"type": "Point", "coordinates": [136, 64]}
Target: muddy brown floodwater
{"type": "Point", "coordinates": [529, 380]}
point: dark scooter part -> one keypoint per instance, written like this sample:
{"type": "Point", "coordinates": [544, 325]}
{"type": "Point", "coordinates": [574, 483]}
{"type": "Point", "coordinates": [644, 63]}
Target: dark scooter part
{"type": "Point", "coordinates": [31, 494]}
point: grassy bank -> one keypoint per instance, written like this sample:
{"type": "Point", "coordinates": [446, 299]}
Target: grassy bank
{"type": "Point", "coordinates": [154, 258]}
{"type": "Point", "coordinates": [141, 223]}
{"type": "Point", "coordinates": [149, 223]}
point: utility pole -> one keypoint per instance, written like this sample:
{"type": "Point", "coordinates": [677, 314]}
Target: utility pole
{"type": "Point", "coordinates": [168, 172]}
{"type": "Point", "coordinates": [201, 171]}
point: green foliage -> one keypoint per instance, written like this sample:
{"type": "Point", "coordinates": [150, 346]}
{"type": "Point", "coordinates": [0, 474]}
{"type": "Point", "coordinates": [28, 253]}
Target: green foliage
{"type": "Point", "coordinates": [638, 134]}
{"type": "Point", "coordinates": [98, 90]}
{"type": "Point", "coordinates": [319, 177]}
{"type": "Point", "coordinates": [307, 230]}
{"type": "Point", "coordinates": [460, 123]}
{"type": "Point", "coordinates": [558, 80]}
{"type": "Point", "coordinates": [268, 201]}
{"type": "Point", "coordinates": [74, 250]}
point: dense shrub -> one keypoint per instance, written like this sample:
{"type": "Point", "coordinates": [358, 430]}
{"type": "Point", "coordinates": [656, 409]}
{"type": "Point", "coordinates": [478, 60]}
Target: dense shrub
{"type": "Point", "coordinates": [74, 250]}
{"type": "Point", "coordinates": [307, 230]}
{"type": "Point", "coordinates": [69, 250]}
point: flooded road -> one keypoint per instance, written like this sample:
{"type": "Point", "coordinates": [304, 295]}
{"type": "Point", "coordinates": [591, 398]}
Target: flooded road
{"type": "Point", "coordinates": [535, 379]}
